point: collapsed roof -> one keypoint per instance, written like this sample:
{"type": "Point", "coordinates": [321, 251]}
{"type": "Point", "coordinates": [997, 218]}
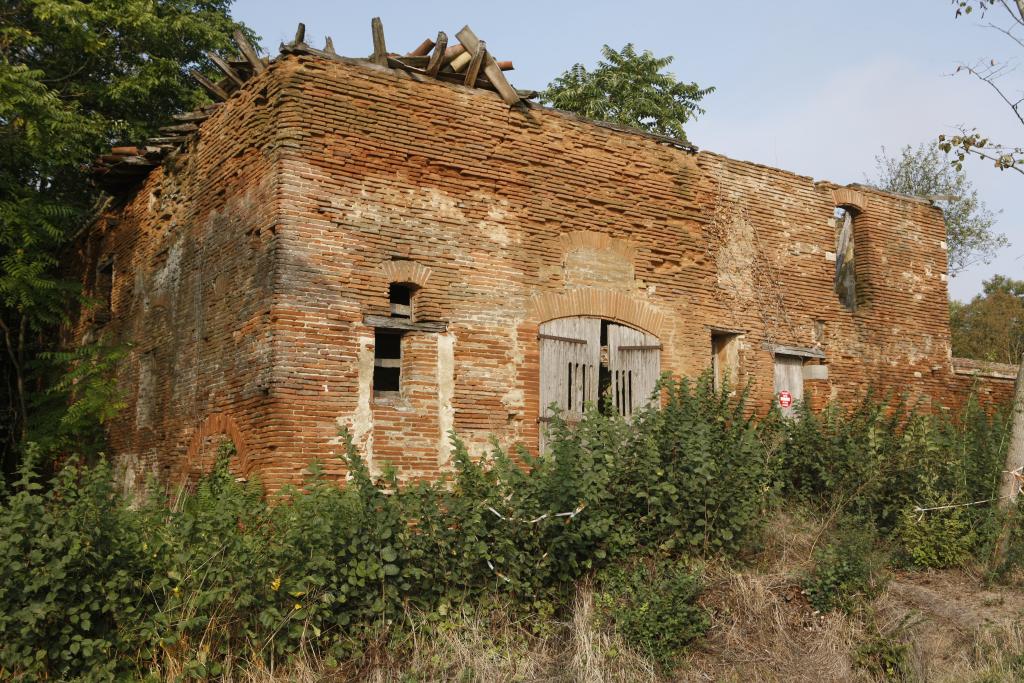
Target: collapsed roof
{"type": "Point", "coordinates": [467, 63]}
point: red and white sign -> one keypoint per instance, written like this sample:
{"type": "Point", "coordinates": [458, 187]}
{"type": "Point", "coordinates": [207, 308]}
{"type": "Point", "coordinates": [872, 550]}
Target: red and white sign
{"type": "Point", "coordinates": [785, 399]}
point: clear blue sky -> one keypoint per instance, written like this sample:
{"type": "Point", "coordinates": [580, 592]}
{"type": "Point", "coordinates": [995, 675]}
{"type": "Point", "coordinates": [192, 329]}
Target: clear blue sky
{"type": "Point", "coordinates": [813, 87]}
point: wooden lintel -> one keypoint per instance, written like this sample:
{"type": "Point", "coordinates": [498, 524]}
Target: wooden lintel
{"type": "Point", "coordinates": [210, 86]}
{"type": "Point", "coordinates": [423, 49]}
{"type": "Point", "coordinates": [380, 50]}
{"type": "Point", "coordinates": [403, 324]}
{"type": "Point", "coordinates": [640, 347]}
{"type": "Point", "coordinates": [437, 56]}
{"type": "Point", "coordinates": [803, 352]}
{"type": "Point", "coordinates": [300, 34]}
{"type": "Point", "coordinates": [494, 74]}
{"type": "Point", "coordinates": [249, 53]}
{"type": "Point", "coordinates": [473, 70]}
{"type": "Point", "coordinates": [226, 68]}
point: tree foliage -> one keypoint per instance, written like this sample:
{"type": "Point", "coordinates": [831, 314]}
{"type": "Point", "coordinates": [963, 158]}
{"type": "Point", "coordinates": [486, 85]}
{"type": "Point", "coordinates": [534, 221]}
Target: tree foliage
{"type": "Point", "coordinates": [991, 326]}
{"type": "Point", "coordinates": [923, 172]}
{"type": "Point", "coordinates": [75, 77]}
{"type": "Point", "coordinates": [629, 88]}
{"type": "Point", "coordinates": [992, 72]}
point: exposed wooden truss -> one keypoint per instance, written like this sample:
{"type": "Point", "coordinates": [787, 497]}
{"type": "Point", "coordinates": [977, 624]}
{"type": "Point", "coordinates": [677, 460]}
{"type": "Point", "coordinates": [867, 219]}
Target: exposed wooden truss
{"type": "Point", "coordinates": [466, 63]}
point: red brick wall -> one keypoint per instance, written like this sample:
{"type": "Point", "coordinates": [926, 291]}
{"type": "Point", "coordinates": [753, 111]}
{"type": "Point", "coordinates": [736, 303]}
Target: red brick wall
{"type": "Point", "coordinates": [352, 176]}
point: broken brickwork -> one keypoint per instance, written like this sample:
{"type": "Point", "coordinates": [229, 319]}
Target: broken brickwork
{"type": "Point", "coordinates": [251, 273]}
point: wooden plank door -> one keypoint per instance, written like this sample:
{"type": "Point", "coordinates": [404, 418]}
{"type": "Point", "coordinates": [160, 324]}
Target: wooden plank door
{"type": "Point", "coordinates": [570, 354]}
{"type": "Point", "coordinates": [789, 376]}
{"type": "Point", "coordinates": [634, 361]}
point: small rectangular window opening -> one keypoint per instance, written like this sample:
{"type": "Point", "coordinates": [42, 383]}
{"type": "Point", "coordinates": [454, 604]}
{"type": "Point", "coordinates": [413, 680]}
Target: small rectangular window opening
{"type": "Point", "coordinates": [387, 361]}
{"type": "Point", "coordinates": [725, 359]}
{"type": "Point", "coordinates": [104, 291]}
{"type": "Point", "coordinates": [400, 297]}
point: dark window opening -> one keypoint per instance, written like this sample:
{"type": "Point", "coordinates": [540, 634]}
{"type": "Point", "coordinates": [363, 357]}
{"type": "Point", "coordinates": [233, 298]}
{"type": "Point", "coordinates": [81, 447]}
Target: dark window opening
{"type": "Point", "coordinates": [400, 298]}
{"type": "Point", "coordinates": [387, 361]}
{"type": "Point", "coordinates": [104, 292]}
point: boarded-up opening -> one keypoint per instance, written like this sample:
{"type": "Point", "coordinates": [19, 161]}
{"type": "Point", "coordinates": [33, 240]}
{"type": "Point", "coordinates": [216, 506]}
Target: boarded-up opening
{"type": "Point", "coordinates": [725, 359]}
{"type": "Point", "coordinates": [789, 382]}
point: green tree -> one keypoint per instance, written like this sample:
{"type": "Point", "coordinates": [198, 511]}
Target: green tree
{"type": "Point", "coordinates": [75, 77]}
{"type": "Point", "coordinates": [923, 172]}
{"type": "Point", "coordinates": [991, 326]}
{"type": "Point", "coordinates": [969, 141]}
{"type": "Point", "coordinates": [630, 89]}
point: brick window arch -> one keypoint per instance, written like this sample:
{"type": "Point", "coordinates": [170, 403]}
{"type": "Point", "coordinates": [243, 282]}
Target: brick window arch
{"type": "Point", "coordinates": [208, 441]}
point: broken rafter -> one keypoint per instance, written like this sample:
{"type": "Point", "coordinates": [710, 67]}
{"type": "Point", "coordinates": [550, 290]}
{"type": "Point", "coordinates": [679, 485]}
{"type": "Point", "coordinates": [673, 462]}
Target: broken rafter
{"type": "Point", "coordinates": [249, 53]}
{"type": "Point", "coordinates": [329, 46]}
{"type": "Point", "coordinates": [494, 74]}
{"type": "Point", "coordinates": [180, 128]}
{"type": "Point", "coordinates": [300, 34]}
{"type": "Point", "coordinates": [210, 86]}
{"type": "Point", "coordinates": [437, 58]}
{"type": "Point", "coordinates": [226, 68]}
{"type": "Point", "coordinates": [380, 50]}
{"type": "Point", "coordinates": [475, 63]}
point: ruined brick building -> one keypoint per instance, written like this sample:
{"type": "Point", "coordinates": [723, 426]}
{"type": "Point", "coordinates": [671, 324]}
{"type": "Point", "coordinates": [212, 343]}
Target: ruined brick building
{"type": "Point", "coordinates": [403, 247]}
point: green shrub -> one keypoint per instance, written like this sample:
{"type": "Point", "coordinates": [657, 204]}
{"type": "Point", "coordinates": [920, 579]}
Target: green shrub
{"type": "Point", "coordinates": [93, 588]}
{"type": "Point", "coordinates": [847, 571]}
{"type": "Point", "coordinates": [881, 461]}
{"type": "Point", "coordinates": [652, 605]}
{"type": "Point", "coordinates": [885, 655]}
{"type": "Point", "coordinates": [935, 539]}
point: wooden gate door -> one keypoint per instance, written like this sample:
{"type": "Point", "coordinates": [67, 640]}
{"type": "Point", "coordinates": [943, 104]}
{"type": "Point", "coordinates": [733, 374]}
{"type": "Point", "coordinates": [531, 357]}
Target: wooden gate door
{"type": "Point", "coordinates": [570, 354]}
{"type": "Point", "coordinates": [634, 361]}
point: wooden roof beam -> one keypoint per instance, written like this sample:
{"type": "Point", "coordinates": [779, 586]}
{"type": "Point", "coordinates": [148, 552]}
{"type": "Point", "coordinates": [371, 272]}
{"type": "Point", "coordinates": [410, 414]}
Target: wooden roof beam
{"type": "Point", "coordinates": [380, 50]}
{"type": "Point", "coordinates": [493, 73]}
{"type": "Point", "coordinates": [249, 53]}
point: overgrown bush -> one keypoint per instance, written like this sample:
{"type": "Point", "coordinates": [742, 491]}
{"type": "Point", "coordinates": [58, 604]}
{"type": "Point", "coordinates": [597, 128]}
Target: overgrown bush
{"type": "Point", "coordinates": [847, 571]}
{"type": "Point", "coordinates": [90, 587]}
{"type": "Point", "coordinates": [652, 605]}
{"type": "Point", "coordinates": [183, 587]}
{"type": "Point", "coordinates": [892, 465]}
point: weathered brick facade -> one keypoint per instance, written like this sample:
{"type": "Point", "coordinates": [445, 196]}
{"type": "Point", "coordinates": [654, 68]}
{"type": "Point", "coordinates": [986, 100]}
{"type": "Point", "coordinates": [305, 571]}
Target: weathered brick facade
{"type": "Point", "coordinates": [245, 268]}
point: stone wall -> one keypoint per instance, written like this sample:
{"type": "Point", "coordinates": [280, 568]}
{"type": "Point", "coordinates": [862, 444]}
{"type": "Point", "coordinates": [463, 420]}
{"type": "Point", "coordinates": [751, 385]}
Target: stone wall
{"type": "Point", "coordinates": [302, 201]}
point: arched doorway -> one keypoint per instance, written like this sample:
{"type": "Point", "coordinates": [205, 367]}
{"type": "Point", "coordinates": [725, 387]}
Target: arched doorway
{"type": "Point", "coordinates": [583, 359]}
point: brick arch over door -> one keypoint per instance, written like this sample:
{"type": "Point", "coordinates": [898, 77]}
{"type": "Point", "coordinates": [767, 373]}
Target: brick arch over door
{"type": "Point", "coordinates": [215, 424]}
{"type": "Point", "coordinates": [597, 303]}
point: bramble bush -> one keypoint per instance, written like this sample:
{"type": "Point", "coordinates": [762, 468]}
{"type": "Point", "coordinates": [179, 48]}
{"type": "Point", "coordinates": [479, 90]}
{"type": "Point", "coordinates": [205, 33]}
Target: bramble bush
{"type": "Point", "coordinates": [651, 603]}
{"type": "Point", "coordinates": [92, 588]}
{"type": "Point", "coordinates": [885, 463]}
{"type": "Point", "coordinates": [188, 587]}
